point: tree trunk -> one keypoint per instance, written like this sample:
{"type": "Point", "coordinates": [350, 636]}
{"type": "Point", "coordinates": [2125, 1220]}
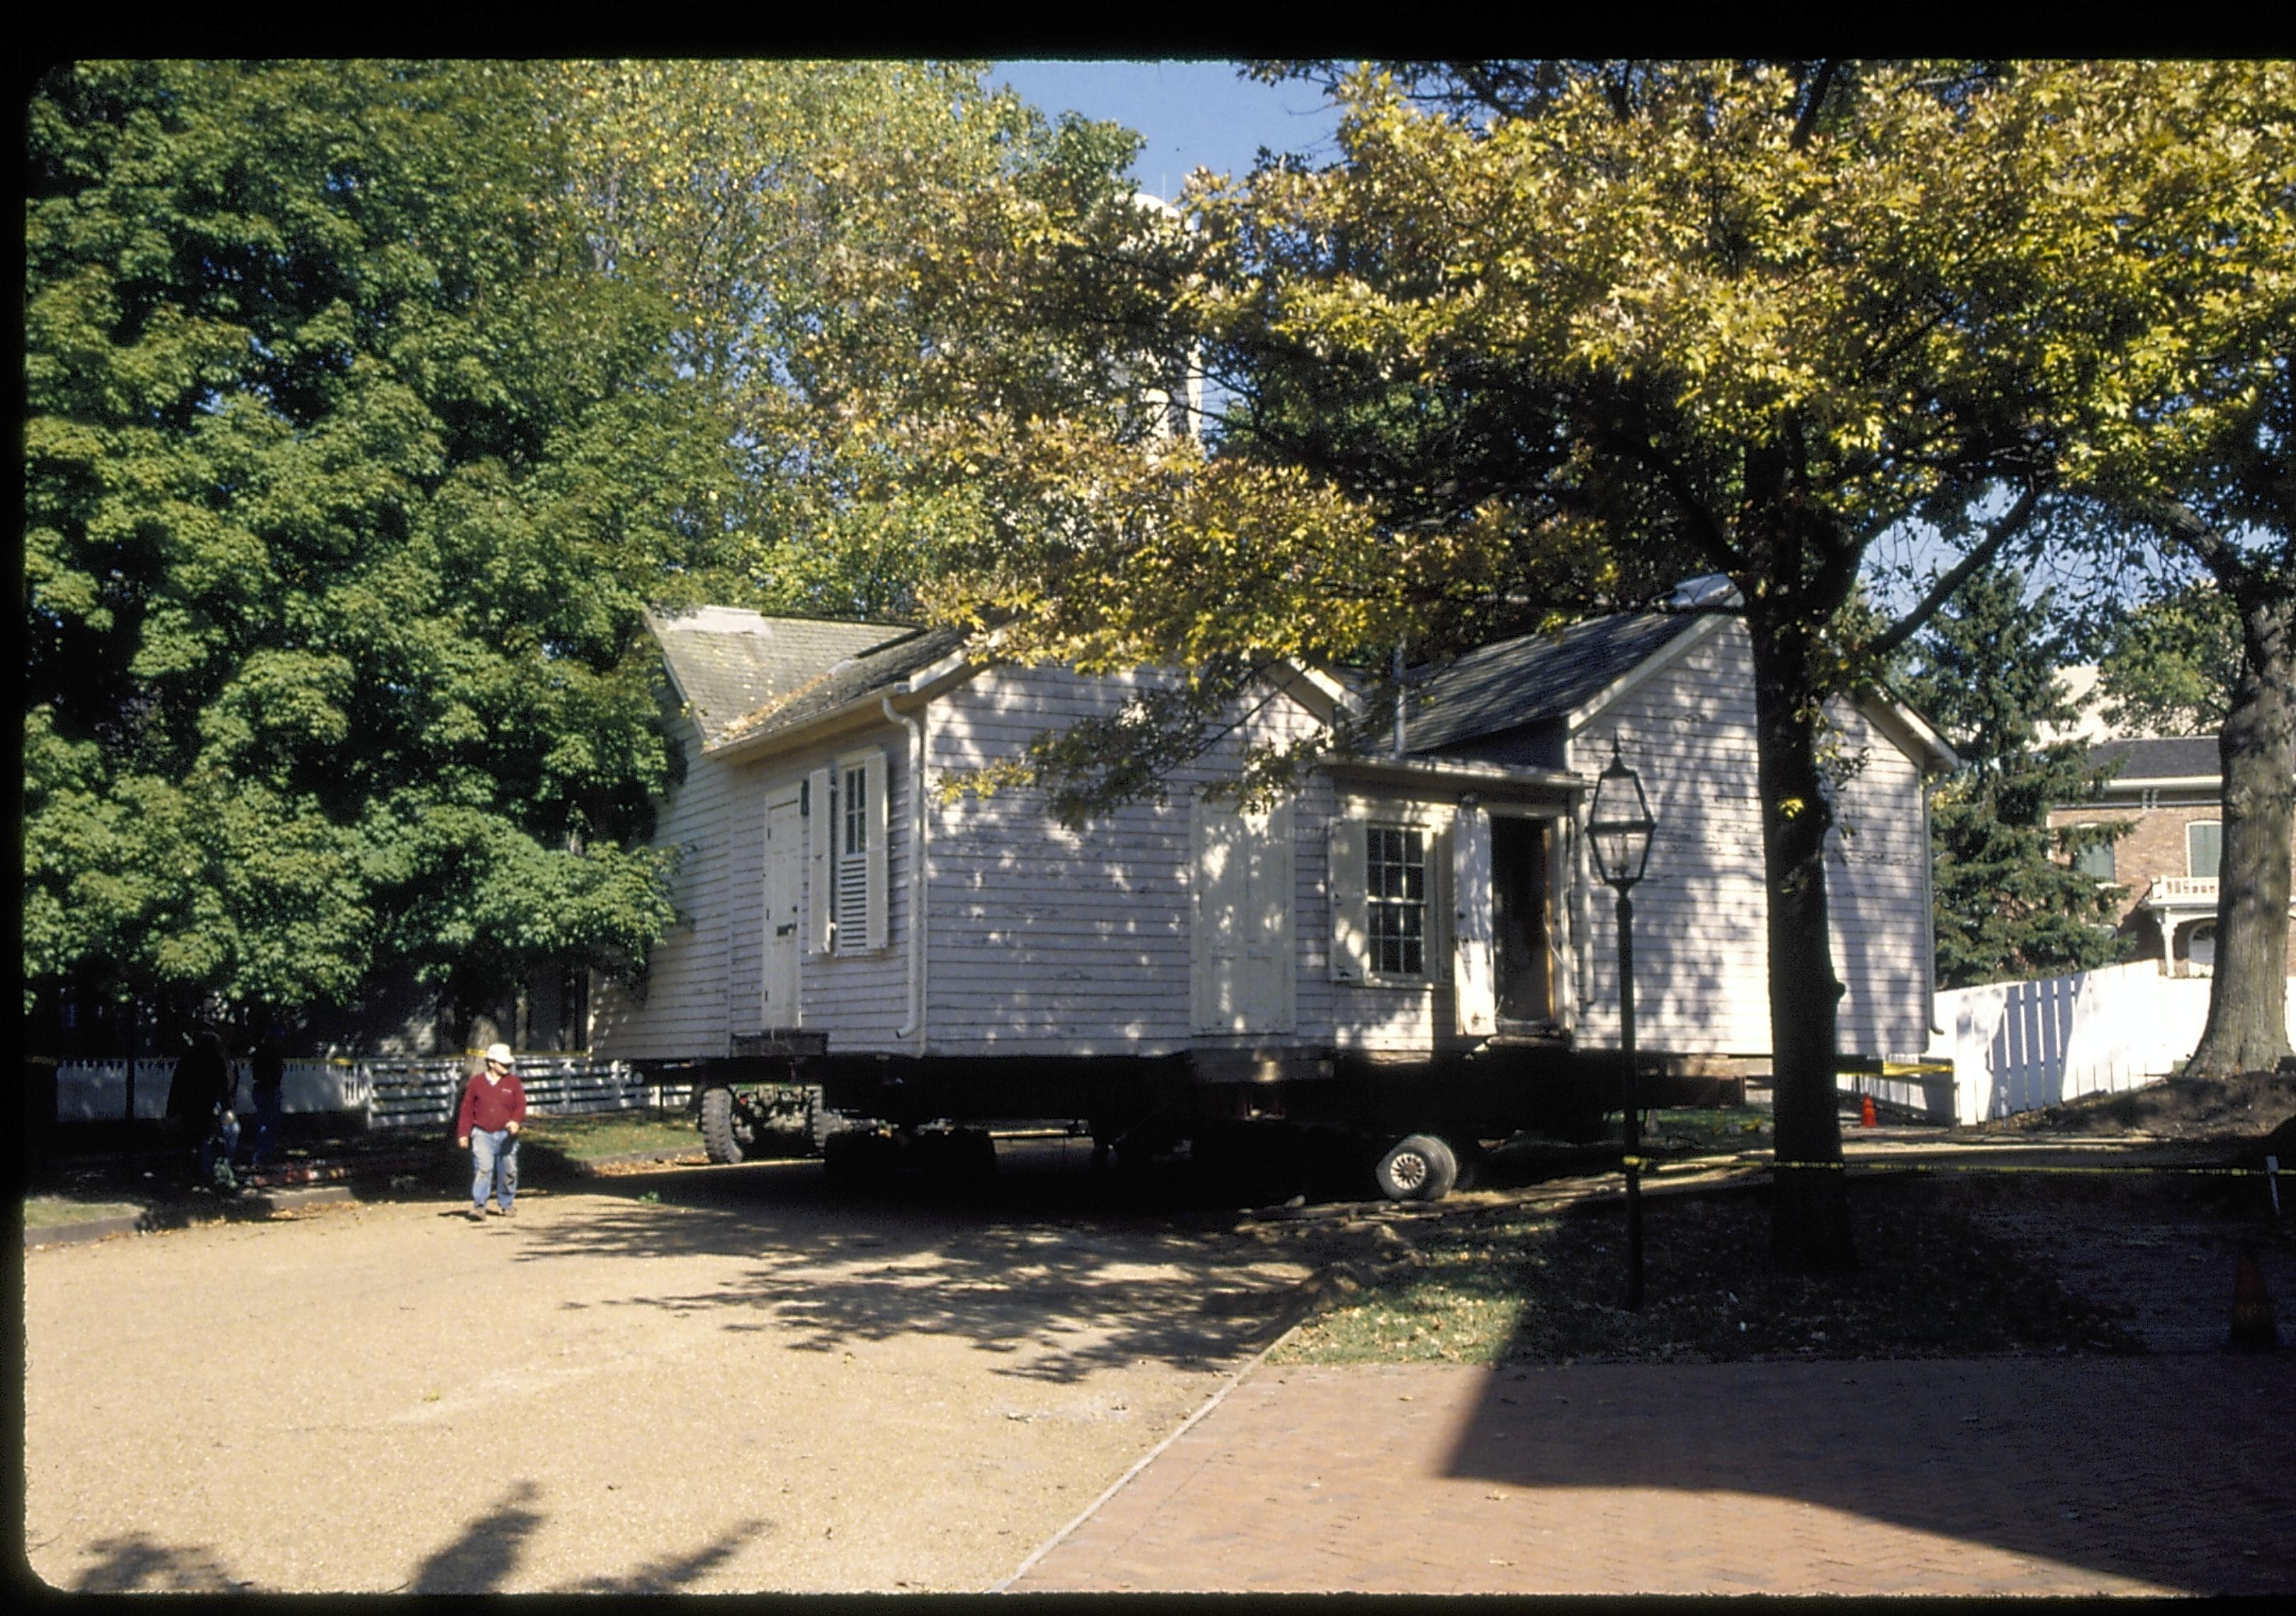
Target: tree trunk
{"type": "Point", "coordinates": [1809, 1229]}
{"type": "Point", "coordinates": [2248, 998]}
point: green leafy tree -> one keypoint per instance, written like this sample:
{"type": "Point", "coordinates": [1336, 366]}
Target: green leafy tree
{"type": "Point", "coordinates": [2010, 903]}
{"type": "Point", "coordinates": [346, 478]}
{"type": "Point", "coordinates": [2188, 454]}
{"type": "Point", "coordinates": [1542, 338]}
{"type": "Point", "coordinates": [828, 237]}
{"type": "Point", "coordinates": [2168, 665]}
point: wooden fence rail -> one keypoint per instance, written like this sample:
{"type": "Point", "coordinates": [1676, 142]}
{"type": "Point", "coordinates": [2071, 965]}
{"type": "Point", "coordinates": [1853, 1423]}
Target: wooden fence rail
{"type": "Point", "coordinates": [2019, 1046]}
{"type": "Point", "coordinates": [386, 1093]}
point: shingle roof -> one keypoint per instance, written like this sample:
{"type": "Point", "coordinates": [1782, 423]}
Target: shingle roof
{"type": "Point", "coordinates": [2173, 757]}
{"type": "Point", "coordinates": [728, 662]}
{"type": "Point", "coordinates": [881, 669]}
{"type": "Point", "coordinates": [1540, 675]}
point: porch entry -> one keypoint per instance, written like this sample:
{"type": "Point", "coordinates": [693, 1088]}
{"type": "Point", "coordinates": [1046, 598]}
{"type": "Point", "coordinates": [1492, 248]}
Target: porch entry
{"type": "Point", "coordinates": [784, 868]}
{"type": "Point", "coordinates": [1241, 943]}
{"type": "Point", "coordinates": [1503, 922]}
{"type": "Point", "coordinates": [1522, 919]}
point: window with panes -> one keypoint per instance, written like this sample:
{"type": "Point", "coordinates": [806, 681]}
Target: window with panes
{"type": "Point", "coordinates": [2203, 849]}
{"type": "Point", "coordinates": [1394, 889]}
{"type": "Point", "coordinates": [2094, 858]}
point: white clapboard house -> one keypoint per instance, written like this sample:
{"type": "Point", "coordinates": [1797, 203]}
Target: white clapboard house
{"type": "Point", "coordinates": [1413, 941]}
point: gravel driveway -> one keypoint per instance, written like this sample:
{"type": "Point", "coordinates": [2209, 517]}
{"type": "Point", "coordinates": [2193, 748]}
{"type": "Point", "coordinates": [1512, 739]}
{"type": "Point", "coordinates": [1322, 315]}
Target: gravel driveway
{"type": "Point", "coordinates": [723, 1379]}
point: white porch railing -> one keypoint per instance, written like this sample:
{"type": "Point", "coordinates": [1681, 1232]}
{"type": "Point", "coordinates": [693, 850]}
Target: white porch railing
{"type": "Point", "coordinates": [2182, 891]}
{"type": "Point", "coordinates": [2019, 1046]}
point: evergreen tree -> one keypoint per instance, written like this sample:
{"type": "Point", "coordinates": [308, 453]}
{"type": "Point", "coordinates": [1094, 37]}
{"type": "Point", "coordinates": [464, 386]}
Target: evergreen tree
{"type": "Point", "coordinates": [2009, 902]}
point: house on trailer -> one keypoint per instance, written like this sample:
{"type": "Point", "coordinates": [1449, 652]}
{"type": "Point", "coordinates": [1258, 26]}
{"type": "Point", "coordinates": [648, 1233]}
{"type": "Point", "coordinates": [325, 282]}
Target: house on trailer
{"type": "Point", "coordinates": [1412, 943]}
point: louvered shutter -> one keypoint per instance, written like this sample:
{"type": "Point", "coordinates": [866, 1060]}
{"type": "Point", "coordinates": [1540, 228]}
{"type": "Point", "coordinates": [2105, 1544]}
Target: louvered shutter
{"type": "Point", "coordinates": [821, 831]}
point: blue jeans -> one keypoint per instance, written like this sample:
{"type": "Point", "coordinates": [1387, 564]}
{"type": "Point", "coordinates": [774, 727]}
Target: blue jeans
{"type": "Point", "coordinates": [267, 1113]}
{"type": "Point", "coordinates": [494, 1160]}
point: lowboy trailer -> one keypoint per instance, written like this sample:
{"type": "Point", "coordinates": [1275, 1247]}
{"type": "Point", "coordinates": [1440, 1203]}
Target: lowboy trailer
{"type": "Point", "coordinates": [1409, 1129]}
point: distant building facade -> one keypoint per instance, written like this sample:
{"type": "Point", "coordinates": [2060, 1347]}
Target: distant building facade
{"type": "Point", "coordinates": [2170, 789]}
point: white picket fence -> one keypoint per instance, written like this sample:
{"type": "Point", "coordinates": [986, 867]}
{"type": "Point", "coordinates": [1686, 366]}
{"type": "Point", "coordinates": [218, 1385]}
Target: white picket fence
{"type": "Point", "coordinates": [385, 1093]}
{"type": "Point", "coordinates": [2019, 1046]}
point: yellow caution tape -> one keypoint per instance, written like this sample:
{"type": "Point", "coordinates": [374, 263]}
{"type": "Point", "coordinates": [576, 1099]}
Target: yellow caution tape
{"type": "Point", "coordinates": [1957, 1167]}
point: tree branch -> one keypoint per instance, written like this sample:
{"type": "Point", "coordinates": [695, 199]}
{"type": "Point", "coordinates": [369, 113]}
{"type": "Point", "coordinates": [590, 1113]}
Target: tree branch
{"type": "Point", "coordinates": [1814, 100]}
{"type": "Point", "coordinates": [1999, 534]}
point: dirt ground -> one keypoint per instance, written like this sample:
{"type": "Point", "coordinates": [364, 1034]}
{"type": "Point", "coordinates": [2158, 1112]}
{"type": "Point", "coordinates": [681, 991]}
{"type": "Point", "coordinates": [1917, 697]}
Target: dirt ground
{"type": "Point", "coordinates": [717, 1380]}
{"type": "Point", "coordinates": [2254, 1108]}
{"type": "Point", "coordinates": [732, 1379]}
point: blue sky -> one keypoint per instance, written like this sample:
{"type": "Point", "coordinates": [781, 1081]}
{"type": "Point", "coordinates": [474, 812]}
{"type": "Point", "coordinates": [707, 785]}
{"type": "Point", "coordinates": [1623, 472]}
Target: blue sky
{"type": "Point", "coordinates": [1192, 113]}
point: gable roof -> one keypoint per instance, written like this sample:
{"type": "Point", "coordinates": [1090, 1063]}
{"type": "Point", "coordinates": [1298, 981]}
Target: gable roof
{"type": "Point", "coordinates": [727, 663]}
{"type": "Point", "coordinates": [2160, 757]}
{"type": "Point", "coordinates": [1535, 677]}
{"type": "Point", "coordinates": [883, 668]}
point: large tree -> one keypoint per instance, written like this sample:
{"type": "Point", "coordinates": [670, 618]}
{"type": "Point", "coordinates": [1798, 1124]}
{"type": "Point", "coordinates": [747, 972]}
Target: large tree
{"type": "Point", "coordinates": [1544, 337]}
{"type": "Point", "coordinates": [2010, 902]}
{"type": "Point", "coordinates": [2191, 449]}
{"type": "Point", "coordinates": [822, 233]}
{"type": "Point", "coordinates": [348, 477]}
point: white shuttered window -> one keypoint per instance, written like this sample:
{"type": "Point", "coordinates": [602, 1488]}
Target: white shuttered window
{"type": "Point", "coordinates": [857, 825]}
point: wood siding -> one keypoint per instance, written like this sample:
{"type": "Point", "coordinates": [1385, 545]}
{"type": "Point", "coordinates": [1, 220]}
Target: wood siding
{"type": "Point", "coordinates": [1702, 979]}
{"type": "Point", "coordinates": [1047, 941]}
{"type": "Point", "coordinates": [1050, 941]}
{"type": "Point", "coordinates": [680, 1009]}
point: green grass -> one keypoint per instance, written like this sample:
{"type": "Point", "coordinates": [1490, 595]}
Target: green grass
{"type": "Point", "coordinates": [54, 1211]}
{"type": "Point", "coordinates": [1732, 1127]}
{"type": "Point", "coordinates": [613, 1134]}
{"type": "Point", "coordinates": [1529, 1286]}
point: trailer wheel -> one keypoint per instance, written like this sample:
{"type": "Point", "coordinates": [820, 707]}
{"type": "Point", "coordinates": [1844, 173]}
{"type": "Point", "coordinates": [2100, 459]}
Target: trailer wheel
{"type": "Point", "coordinates": [1420, 1168]}
{"type": "Point", "coordinates": [859, 1159]}
{"type": "Point", "coordinates": [729, 1128]}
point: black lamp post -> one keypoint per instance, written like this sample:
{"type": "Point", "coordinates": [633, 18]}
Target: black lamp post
{"type": "Point", "coordinates": [1620, 825]}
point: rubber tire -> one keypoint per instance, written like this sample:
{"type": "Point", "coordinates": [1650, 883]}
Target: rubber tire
{"type": "Point", "coordinates": [978, 1155]}
{"type": "Point", "coordinates": [859, 1159]}
{"type": "Point", "coordinates": [1418, 1167]}
{"type": "Point", "coordinates": [727, 1133]}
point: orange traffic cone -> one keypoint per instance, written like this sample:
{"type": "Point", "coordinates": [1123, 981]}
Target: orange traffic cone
{"type": "Point", "coordinates": [2251, 1307]}
{"type": "Point", "coordinates": [1866, 1117]}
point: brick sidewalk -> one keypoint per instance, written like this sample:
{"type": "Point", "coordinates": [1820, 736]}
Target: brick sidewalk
{"type": "Point", "coordinates": [2080, 1475]}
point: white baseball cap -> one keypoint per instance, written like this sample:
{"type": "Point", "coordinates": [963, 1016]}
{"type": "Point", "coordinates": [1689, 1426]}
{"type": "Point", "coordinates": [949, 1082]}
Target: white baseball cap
{"type": "Point", "coordinates": [498, 1054]}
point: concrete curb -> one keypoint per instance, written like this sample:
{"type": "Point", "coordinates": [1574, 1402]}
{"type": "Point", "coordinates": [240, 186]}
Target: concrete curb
{"type": "Point", "coordinates": [161, 1220]}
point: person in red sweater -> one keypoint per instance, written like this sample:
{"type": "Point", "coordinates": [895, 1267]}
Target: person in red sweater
{"type": "Point", "coordinates": [494, 1106]}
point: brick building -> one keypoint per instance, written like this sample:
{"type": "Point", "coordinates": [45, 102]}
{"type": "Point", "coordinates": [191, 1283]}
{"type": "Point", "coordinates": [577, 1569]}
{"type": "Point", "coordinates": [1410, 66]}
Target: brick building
{"type": "Point", "coordinates": [2171, 791]}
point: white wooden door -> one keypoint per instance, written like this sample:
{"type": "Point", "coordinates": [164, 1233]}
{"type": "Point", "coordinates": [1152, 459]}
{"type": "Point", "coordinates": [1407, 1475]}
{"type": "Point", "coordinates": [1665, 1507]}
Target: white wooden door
{"type": "Point", "coordinates": [784, 866]}
{"type": "Point", "coordinates": [1241, 941]}
{"type": "Point", "coordinates": [1473, 990]}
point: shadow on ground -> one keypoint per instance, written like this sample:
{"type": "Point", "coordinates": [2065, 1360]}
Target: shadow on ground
{"type": "Point", "coordinates": [2168, 1468]}
{"type": "Point", "coordinates": [2172, 1471]}
{"type": "Point", "coordinates": [483, 1558]}
{"type": "Point", "coordinates": [1060, 1269]}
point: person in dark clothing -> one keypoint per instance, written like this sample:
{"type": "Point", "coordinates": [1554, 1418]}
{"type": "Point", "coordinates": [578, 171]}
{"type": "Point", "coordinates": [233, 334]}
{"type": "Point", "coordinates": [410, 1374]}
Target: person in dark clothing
{"type": "Point", "coordinates": [198, 1099]}
{"type": "Point", "coordinates": [494, 1108]}
{"type": "Point", "coordinates": [267, 1082]}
